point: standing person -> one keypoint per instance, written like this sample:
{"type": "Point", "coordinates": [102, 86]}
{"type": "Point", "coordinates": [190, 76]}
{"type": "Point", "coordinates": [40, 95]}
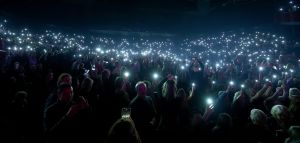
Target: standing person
{"type": "Point", "coordinates": [62, 119]}
{"type": "Point", "coordinates": [142, 110]}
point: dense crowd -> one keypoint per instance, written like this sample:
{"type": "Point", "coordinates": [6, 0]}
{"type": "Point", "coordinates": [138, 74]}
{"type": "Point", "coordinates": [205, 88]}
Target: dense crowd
{"type": "Point", "coordinates": [233, 87]}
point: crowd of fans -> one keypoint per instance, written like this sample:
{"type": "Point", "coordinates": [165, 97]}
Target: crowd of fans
{"type": "Point", "coordinates": [231, 88]}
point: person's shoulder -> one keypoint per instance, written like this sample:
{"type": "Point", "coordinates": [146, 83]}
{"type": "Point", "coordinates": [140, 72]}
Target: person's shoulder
{"type": "Point", "coordinates": [51, 107]}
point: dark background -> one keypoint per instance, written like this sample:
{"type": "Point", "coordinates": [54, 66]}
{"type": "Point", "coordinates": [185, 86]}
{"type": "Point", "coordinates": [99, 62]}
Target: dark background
{"type": "Point", "coordinates": [181, 17]}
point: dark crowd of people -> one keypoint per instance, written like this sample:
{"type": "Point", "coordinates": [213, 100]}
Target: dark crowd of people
{"type": "Point", "coordinates": [80, 100]}
{"type": "Point", "coordinates": [52, 96]}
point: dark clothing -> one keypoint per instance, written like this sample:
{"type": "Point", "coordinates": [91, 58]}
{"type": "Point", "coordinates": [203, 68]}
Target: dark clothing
{"type": "Point", "coordinates": [60, 129]}
{"type": "Point", "coordinates": [142, 113]}
{"type": "Point", "coordinates": [257, 134]}
{"type": "Point", "coordinates": [221, 135]}
{"type": "Point", "coordinates": [142, 110]}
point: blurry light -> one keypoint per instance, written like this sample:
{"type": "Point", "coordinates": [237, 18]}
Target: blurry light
{"type": "Point", "coordinates": [98, 49]}
{"type": "Point", "coordinates": [126, 74]}
{"type": "Point", "coordinates": [242, 86]}
{"type": "Point", "coordinates": [209, 101]}
{"type": "Point", "coordinates": [182, 67]}
{"type": "Point", "coordinates": [231, 82]}
{"type": "Point", "coordinates": [155, 75]}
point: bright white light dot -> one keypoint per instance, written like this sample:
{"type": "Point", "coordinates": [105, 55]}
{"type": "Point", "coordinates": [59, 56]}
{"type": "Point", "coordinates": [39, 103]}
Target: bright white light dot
{"type": "Point", "coordinates": [242, 86]}
{"type": "Point", "coordinates": [209, 101]}
{"type": "Point", "coordinates": [155, 76]}
{"type": "Point", "coordinates": [98, 49]}
{"type": "Point", "coordinates": [126, 74]}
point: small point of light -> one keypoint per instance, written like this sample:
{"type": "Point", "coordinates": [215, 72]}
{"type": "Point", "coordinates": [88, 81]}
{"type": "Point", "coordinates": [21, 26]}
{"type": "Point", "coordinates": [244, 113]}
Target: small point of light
{"type": "Point", "coordinates": [209, 101]}
{"type": "Point", "coordinates": [242, 86]}
{"type": "Point", "coordinates": [155, 75]}
{"type": "Point", "coordinates": [126, 74]}
{"type": "Point", "coordinates": [231, 83]}
{"type": "Point", "coordinates": [98, 49]}
{"type": "Point", "coordinates": [182, 67]}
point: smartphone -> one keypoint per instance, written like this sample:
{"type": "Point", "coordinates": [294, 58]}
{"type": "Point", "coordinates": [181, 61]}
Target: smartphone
{"type": "Point", "coordinates": [125, 112]}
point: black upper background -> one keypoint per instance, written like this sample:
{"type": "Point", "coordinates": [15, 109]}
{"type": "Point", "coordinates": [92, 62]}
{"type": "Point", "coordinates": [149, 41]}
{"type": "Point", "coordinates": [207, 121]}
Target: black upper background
{"type": "Point", "coordinates": [161, 16]}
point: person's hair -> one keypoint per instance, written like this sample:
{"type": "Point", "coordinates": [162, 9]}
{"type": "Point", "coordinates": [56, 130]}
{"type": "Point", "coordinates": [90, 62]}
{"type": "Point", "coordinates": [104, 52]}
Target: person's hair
{"type": "Point", "coordinates": [21, 95]}
{"type": "Point", "coordinates": [62, 87]}
{"type": "Point", "coordinates": [181, 93]}
{"type": "Point", "coordinates": [137, 85]}
{"type": "Point", "coordinates": [224, 121]}
{"type": "Point", "coordinates": [87, 84]}
{"type": "Point", "coordinates": [258, 117]}
{"type": "Point", "coordinates": [119, 82]}
{"type": "Point", "coordinates": [169, 89]}
{"type": "Point", "coordinates": [61, 77]}
{"type": "Point", "coordinates": [280, 112]}
{"type": "Point", "coordinates": [123, 130]}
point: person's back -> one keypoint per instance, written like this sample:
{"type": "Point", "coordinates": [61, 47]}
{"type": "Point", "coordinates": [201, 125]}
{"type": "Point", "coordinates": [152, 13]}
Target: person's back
{"type": "Point", "coordinates": [142, 110]}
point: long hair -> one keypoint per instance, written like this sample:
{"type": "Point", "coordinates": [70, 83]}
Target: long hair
{"type": "Point", "coordinates": [169, 89]}
{"type": "Point", "coordinates": [123, 130]}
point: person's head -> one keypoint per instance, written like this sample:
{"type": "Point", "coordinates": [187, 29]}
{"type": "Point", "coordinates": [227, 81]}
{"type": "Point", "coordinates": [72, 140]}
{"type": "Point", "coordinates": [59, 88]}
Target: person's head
{"type": "Point", "coordinates": [294, 95]}
{"type": "Point", "coordinates": [280, 113]}
{"type": "Point", "coordinates": [294, 132]}
{"type": "Point", "coordinates": [105, 74]}
{"type": "Point", "coordinates": [141, 88]}
{"type": "Point", "coordinates": [258, 117]}
{"type": "Point", "coordinates": [65, 93]}
{"type": "Point", "coordinates": [50, 76]}
{"type": "Point", "coordinates": [64, 78]}
{"type": "Point", "coordinates": [169, 89]}
{"type": "Point", "coordinates": [224, 121]}
{"type": "Point", "coordinates": [123, 130]}
{"type": "Point", "coordinates": [181, 95]}
{"type": "Point", "coordinates": [87, 84]}
{"type": "Point", "coordinates": [20, 99]}
{"type": "Point", "coordinates": [119, 82]}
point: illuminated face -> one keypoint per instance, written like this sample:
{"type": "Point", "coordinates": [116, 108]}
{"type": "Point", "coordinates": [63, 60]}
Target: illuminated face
{"type": "Point", "coordinates": [142, 89]}
{"type": "Point", "coordinates": [66, 95]}
{"type": "Point", "coordinates": [67, 79]}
